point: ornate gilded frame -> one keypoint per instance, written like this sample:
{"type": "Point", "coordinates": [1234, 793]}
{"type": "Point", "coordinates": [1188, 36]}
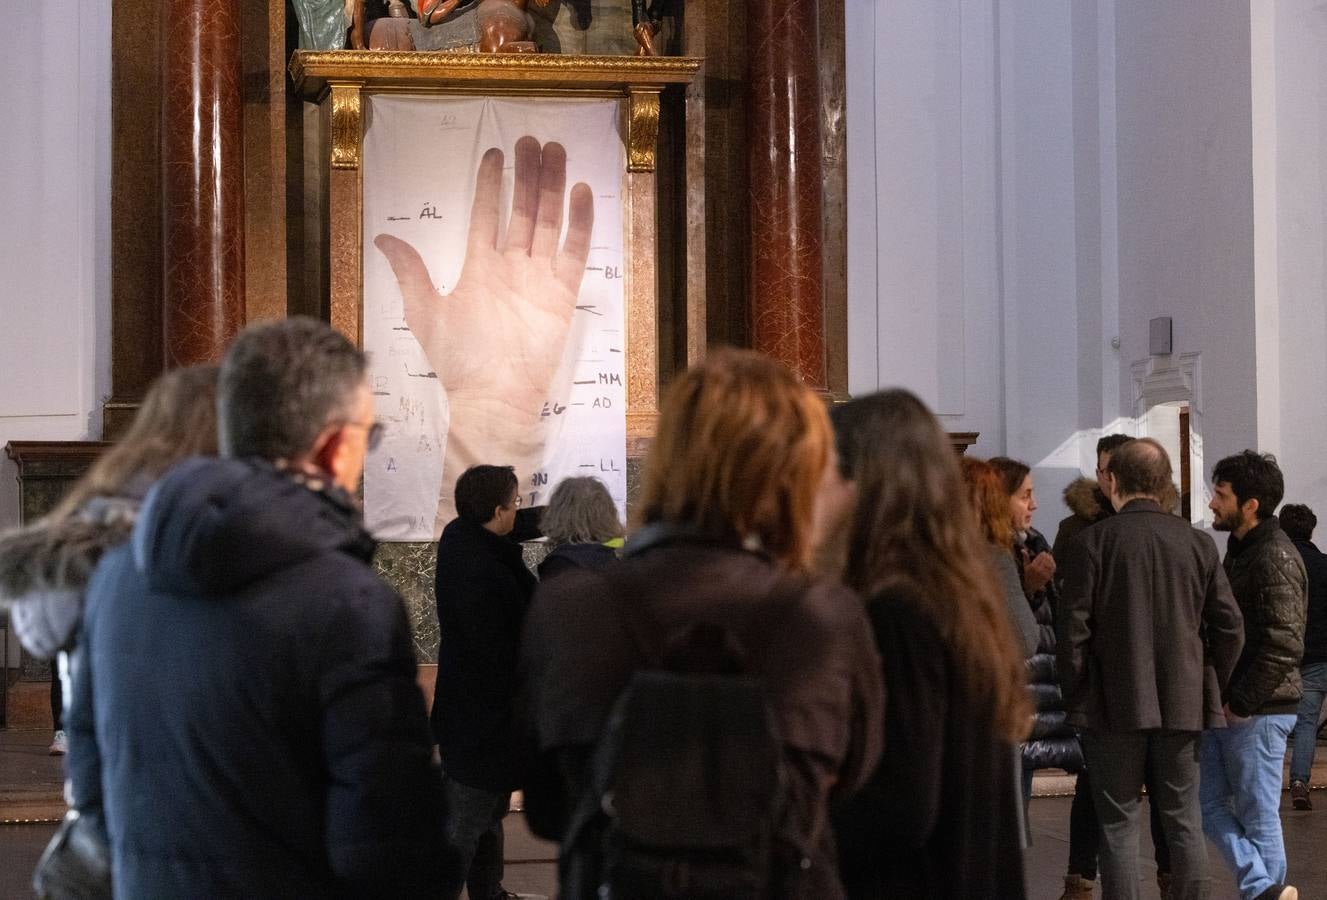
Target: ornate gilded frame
{"type": "Point", "coordinates": [337, 81]}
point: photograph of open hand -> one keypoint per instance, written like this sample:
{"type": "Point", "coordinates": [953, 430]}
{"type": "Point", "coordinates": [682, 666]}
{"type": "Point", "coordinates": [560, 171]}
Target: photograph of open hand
{"type": "Point", "coordinates": [497, 338]}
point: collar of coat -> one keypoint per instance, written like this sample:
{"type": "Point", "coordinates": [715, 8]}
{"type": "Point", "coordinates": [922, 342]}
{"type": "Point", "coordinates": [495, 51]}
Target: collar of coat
{"type": "Point", "coordinates": [1263, 531]}
{"type": "Point", "coordinates": [660, 534]}
{"type": "Point", "coordinates": [1141, 504]}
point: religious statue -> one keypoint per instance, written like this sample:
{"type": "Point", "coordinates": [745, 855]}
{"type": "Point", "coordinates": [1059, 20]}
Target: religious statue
{"type": "Point", "coordinates": [647, 20]}
{"type": "Point", "coordinates": [504, 25]}
{"type": "Point", "coordinates": [323, 23]}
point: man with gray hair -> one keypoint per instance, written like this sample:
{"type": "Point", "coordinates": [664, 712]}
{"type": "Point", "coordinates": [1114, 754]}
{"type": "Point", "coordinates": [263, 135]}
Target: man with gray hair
{"type": "Point", "coordinates": [248, 701]}
{"type": "Point", "coordinates": [1149, 634]}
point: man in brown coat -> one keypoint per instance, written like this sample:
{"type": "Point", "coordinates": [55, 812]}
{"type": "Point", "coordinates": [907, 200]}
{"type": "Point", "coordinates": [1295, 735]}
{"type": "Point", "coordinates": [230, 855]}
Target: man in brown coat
{"type": "Point", "coordinates": [1148, 637]}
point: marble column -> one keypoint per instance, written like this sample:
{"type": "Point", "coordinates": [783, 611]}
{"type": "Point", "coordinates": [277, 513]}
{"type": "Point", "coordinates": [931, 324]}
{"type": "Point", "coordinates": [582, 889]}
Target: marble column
{"type": "Point", "coordinates": [786, 287]}
{"type": "Point", "coordinates": [202, 178]}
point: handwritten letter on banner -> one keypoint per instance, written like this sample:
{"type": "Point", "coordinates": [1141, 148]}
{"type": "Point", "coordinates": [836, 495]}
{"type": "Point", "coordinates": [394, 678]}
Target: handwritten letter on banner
{"type": "Point", "coordinates": [493, 299]}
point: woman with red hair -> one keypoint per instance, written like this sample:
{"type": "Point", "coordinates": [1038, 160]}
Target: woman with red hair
{"type": "Point", "coordinates": [724, 551]}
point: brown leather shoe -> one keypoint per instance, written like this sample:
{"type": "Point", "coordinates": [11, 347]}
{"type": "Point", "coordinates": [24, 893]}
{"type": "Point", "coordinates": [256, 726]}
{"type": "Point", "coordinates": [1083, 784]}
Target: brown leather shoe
{"type": "Point", "coordinates": [1299, 795]}
{"type": "Point", "coordinates": [1076, 887]}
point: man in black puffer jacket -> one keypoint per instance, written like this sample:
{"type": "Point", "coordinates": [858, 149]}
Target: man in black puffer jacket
{"type": "Point", "coordinates": [248, 698]}
{"type": "Point", "coordinates": [1241, 764]}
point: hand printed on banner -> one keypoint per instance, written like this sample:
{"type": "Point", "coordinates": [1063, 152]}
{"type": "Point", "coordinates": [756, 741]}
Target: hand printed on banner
{"type": "Point", "coordinates": [497, 339]}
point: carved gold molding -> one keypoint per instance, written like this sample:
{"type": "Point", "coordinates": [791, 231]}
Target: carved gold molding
{"type": "Point", "coordinates": [642, 130]}
{"type": "Point", "coordinates": [314, 71]}
{"type": "Point", "coordinates": [346, 125]}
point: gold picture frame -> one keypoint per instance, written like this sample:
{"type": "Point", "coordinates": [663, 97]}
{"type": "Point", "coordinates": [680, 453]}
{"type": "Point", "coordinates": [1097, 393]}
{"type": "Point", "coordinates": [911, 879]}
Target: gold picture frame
{"type": "Point", "coordinates": [337, 81]}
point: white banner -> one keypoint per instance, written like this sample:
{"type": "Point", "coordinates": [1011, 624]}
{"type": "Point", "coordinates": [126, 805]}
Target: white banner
{"type": "Point", "coordinates": [493, 299]}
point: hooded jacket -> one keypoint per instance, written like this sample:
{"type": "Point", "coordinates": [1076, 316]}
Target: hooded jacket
{"type": "Point", "coordinates": [1268, 580]}
{"type": "Point", "coordinates": [248, 698]}
{"type": "Point", "coordinates": [1315, 631]}
{"type": "Point", "coordinates": [1088, 506]}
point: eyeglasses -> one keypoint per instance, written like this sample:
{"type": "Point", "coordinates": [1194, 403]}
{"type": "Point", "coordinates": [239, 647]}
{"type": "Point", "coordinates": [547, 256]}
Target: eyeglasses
{"type": "Point", "coordinates": [375, 431]}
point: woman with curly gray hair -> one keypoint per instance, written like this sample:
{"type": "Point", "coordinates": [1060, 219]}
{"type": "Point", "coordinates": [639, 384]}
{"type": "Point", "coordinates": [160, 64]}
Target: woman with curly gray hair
{"type": "Point", "coordinates": [582, 526]}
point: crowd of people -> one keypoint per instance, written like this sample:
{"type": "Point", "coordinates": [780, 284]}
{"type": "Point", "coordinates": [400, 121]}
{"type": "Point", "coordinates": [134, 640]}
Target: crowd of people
{"type": "Point", "coordinates": [825, 663]}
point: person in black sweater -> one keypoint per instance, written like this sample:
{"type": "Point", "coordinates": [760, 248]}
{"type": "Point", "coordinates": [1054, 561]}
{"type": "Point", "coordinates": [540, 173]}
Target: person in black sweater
{"type": "Point", "coordinates": [940, 816]}
{"type": "Point", "coordinates": [483, 590]}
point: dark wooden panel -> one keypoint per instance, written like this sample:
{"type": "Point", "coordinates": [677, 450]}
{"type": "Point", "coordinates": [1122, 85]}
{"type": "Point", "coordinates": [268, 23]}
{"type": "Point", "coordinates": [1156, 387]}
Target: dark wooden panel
{"type": "Point", "coordinates": [136, 327]}
{"type": "Point", "coordinates": [834, 242]}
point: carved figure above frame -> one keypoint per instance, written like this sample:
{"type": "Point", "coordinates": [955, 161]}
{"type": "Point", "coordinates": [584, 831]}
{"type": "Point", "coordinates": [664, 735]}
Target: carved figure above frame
{"type": "Point", "coordinates": [491, 241]}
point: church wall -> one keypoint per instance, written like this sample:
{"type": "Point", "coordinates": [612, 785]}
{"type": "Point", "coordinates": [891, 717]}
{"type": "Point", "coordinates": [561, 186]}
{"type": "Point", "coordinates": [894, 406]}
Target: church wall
{"type": "Point", "coordinates": [1185, 203]}
{"type": "Point", "coordinates": [54, 232]}
{"type": "Point", "coordinates": [963, 266]}
{"type": "Point", "coordinates": [1296, 416]}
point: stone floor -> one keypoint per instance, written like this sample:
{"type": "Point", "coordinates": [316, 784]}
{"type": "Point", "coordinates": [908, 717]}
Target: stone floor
{"type": "Point", "coordinates": [30, 790]}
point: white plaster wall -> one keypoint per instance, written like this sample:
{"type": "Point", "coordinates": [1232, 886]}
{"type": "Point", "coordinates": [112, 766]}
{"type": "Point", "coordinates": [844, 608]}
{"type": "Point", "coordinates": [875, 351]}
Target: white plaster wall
{"type": "Point", "coordinates": [54, 231]}
{"type": "Point", "coordinates": [907, 181]}
{"type": "Point", "coordinates": [963, 269]}
{"type": "Point", "coordinates": [54, 234]}
{"type": "Point", "coordinates": [1298, 75]}
{"type": "Point", "coordinates": [1185, 200]}
{"type": "Point", "coordinates": [1051, 177]}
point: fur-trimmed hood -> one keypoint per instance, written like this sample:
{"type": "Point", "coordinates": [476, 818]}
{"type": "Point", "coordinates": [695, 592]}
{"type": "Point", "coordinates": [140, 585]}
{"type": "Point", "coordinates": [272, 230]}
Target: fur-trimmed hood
{"type": "Point", "coordinates": [1086, 501]}
{"type": "Point", "coordinates": [60, 555]}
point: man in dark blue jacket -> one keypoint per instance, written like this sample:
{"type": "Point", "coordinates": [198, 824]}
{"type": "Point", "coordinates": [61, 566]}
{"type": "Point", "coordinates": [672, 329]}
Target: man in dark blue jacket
{"type": "Point", "coordinates": [248, 700]}
{"type": "Point", "coordinates": [483, 593]}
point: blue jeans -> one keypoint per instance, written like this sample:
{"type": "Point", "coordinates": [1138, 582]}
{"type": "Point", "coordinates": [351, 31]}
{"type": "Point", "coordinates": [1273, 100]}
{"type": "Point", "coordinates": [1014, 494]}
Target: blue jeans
{"type": "Point", "coordinates": [1314, 676]}
{"type": "Point", "coordinates": [1241, 799]}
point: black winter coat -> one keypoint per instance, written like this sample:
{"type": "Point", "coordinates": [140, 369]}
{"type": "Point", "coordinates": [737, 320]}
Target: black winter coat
{"type": "Point", "coordinates": [1052, 744]}
{"type": "Point", "coordinates": [248, 699]}
{"type": "Point", "coordinates": [483, 592]}
{"type": "Point", "coordinates": [1315, 631]}
{"type": "Point", "coordinates": [939, 818]}
{"type": "Point", "coordinates": [1268, 580]}
{"type": "Point", "coordinates": [569, 557]}
{"type": "Point", "coordinates": [1089, 506]}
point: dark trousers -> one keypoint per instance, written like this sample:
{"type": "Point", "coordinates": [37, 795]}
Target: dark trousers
{"type": "Point", "coordinates": [1167, 763]}
{"type": "Point", "coordinates": [474, 840]}
{"type": "Point", "coordinates": [1085, 838]}
{"type": "Point", "coordinates": [57, 697]}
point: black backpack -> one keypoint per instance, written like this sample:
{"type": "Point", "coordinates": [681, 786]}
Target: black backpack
{"type": "Point", "coordinates": [687, 789]}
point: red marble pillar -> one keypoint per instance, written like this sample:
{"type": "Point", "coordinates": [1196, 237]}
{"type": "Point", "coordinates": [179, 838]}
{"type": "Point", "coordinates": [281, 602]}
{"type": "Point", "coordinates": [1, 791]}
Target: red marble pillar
{"type": "Point", "coordinates": [787, 304]}
{"type": "Point", "coordinates": [202, 178]}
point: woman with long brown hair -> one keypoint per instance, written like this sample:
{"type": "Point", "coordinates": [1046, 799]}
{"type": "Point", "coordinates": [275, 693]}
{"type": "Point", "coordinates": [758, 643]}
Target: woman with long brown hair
{"type": "Point", "coordinates": [990, 504]}
{"type": "Point", "coordinates": [45, 568]}
{"type": "Point", "coordinates": [1052, 744]}
{"type": "Point", "coordinates": [716, 580]}
{"type": "Point", "coordinates": [940, 816]}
